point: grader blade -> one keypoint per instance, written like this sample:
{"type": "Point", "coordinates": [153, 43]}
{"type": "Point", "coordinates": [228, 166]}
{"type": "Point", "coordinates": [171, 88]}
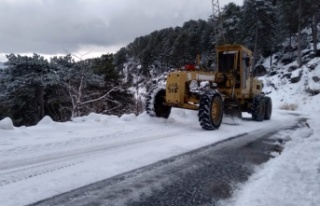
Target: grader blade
{"type": "Point", "coordinates": [231, 113]}
{"type": "Point", "coordinates": [231, 117]}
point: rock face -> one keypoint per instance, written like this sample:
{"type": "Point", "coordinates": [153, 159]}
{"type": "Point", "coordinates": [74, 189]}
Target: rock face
{"type": "Point", "coordinates": [313, 92]}
{"type": "Point", "coordinates": [292, 68]}
{"type": "Point", "coordinates": [259, 70]}
{"type": "Point", "coordinates": [315, 78]}
{"type": "Point", "coordinates": [296, 79]}
{"type": "Point", "coordinates": [311, 67]}
{"type": "Point", "coordinates": [287, 75]}
{"type": "Point", "coordinates": [272, 73]}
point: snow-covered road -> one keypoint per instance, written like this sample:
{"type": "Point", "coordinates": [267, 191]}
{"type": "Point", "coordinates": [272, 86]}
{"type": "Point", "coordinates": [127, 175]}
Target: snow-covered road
{"type": "Point", "coordinates": [52, 158]}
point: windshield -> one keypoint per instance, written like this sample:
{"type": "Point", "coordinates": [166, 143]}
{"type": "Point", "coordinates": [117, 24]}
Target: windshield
{"type": "Point", "coordinates": [226, 61]}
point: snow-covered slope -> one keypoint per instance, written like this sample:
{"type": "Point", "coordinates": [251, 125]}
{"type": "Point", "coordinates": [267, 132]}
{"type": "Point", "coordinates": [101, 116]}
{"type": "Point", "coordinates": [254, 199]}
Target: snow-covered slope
{"type": "Point", "coordinates": [295, 88]}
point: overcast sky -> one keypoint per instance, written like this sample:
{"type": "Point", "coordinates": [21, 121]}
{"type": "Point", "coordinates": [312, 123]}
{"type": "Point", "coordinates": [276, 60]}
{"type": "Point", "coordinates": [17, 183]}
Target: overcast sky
{"type": "Point", "coordinates": [51, 27]}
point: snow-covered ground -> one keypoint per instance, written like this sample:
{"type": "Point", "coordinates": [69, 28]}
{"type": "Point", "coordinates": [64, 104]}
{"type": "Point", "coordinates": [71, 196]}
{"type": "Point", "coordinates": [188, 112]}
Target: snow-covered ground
{"type": "Point", "coordinates": [51, 158]}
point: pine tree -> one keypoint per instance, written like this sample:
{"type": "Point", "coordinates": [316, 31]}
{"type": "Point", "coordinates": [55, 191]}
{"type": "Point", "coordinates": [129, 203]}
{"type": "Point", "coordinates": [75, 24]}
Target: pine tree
{"type": "Point", "coordinates": [260, 26]}
{"type": "Point", "coordinates": [179, 53]}
{"type": "Point", "coordinates": [295, 15]}
{"type": "Point", "coordinates": [32, 87]}
{"type": "Point", "coordinates": [231, 15]}
{"type": "Point", "coordinates": [30, 77]}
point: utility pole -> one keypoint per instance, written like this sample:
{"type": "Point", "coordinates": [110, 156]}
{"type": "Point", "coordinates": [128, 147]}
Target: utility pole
{"type": "Point", "coordinates": [299, 59]}
{"type": "Point", "coordinates": [217, 22]}
{"type": "Point", "coordinates": [217, 28]}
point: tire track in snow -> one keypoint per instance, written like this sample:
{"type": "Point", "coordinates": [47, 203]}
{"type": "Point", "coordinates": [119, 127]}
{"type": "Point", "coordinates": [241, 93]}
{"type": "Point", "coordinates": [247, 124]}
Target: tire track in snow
{"type": "Point", "coordinates": [12, 172]}
{"type": "Point", "coordinates": [9, 177]}
{"type": "Point", "coordinates": [84, 141]}
{"type": "Point", "coordinates": [78, 141]}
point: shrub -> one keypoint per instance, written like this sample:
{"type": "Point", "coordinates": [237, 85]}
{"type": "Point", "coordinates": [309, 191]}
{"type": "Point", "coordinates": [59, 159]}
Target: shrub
{"type": "Point", "coordinates": [291, 107]}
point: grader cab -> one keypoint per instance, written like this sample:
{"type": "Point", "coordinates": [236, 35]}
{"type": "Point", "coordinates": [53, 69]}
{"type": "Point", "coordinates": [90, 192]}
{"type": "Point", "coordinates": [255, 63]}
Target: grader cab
{"type": "Point", "coordinates": [228, 91]}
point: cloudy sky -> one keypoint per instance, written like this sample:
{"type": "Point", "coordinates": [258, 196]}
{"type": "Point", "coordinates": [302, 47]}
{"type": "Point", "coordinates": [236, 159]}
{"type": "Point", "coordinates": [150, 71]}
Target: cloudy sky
{"type": "Point", "coordinates": [52, 27]}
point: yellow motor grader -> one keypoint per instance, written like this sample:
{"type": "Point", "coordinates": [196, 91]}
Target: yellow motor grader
{"type": "Point", "coordinates": [230, 90]}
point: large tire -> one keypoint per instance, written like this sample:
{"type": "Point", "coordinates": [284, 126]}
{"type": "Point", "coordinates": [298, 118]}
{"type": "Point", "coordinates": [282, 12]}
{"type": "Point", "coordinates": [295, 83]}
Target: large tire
{"type": "Point", "coordinates": [258, 108]}
{"type": "Point", "coordinates": [268, 110]}
{"type": "Point", "coordinates": [154, 104]}
{"type": "Point", "coordinates": [210, 111]}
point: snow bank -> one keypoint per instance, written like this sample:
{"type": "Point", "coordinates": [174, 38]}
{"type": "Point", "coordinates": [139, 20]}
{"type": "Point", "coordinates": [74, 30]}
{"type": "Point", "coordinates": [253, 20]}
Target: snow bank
{"type": "Point", "coordinates": [6, 124]}
{"type": "Point", "coordinates": [94, 117]}
{"type": "Point", "coordinates": [46, 121]}
{"type": "Point", "coordinates": [128, 117]}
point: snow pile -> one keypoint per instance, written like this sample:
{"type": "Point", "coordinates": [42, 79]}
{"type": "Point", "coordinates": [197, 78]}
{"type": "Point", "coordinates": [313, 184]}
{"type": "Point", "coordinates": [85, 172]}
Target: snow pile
{"type": "Point", "coordinates": [46, 121]}
{"type": "Point", "coordinates": [95, 118]}
{"type": "Point", "coordinates": [6, 124]}
{"type": "Point", "coordinates": [128, 117]}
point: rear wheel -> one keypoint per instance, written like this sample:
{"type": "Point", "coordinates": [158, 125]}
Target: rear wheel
{"type": "Point", "coordinates": [155, 106]}
{"type": "Point", "coordinates": [268, 111]}
{"type": "Point", "coordinates": [210, 111]}
{"type": "Point", "coordinates": [258, 108]}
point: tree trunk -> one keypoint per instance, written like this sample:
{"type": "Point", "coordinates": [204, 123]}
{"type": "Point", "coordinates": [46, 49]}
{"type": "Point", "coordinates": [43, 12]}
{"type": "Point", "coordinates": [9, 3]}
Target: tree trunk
{"type": "Point", "coordinates": [255, 50]}
{"type": "Point", "coordinates": [299, 60]}
{"type": "Point", "coordinates": [314, 33]}
{"type": "Point", "coordinates": [40, 102]}
{"type": "Point", "coordinates": [290, 32]}
{"type": "Point", "coordinates": [137, 98]}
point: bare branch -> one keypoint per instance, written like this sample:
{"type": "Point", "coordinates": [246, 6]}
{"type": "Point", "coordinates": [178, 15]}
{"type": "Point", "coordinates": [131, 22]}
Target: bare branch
{"type": "Point", "coordinates": [100, 98]}
{"type": "Point", "coordinates": [78, 57]}
{"type": "Point", "coordinates": [81, 56]}
{"type": "Point", "coordinates": [80, 90]}
{"type": "Point", "coordinates": [113, 101]}
{"type": "Point", "coordinates": [109, 110]}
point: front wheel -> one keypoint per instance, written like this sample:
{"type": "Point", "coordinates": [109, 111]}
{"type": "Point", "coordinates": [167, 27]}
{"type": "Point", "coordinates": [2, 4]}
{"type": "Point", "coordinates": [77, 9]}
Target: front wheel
{"type": "Point", "coordinates": [210, 111]}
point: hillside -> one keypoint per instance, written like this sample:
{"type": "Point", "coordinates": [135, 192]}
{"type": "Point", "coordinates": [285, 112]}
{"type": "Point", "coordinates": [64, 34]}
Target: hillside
{"type": "Point", "coordinates": [265, 27]}
{"type": "Point", "coordinates": [291, 87]}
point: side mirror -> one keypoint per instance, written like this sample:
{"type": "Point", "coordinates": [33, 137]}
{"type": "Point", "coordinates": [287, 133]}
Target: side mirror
{"type": "Point", "coordinates": [259, 71]}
